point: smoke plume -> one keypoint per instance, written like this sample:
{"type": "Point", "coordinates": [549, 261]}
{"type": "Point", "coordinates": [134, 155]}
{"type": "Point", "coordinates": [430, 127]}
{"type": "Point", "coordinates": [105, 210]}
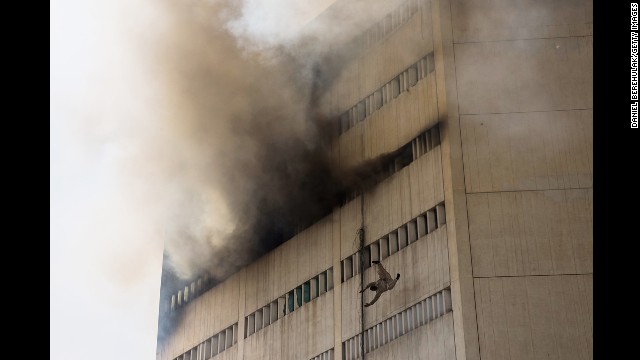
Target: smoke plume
{"type": "Point", "coordinates": [244, 149]}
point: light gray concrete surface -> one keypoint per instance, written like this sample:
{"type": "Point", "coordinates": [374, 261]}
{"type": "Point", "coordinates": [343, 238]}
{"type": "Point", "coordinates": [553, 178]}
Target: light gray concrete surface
{"type": "Point", "coordinates": [535, 317]}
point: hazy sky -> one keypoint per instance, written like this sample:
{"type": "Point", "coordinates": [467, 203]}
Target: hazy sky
{"type": "Point", "coordinates": [106, 240]}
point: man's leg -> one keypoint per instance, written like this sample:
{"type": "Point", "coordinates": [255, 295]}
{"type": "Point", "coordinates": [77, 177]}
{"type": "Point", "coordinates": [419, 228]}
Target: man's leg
{"type": "Point", "coordinates": [374, 299]}
{"type": "Point", "coordinates": [366, 287]}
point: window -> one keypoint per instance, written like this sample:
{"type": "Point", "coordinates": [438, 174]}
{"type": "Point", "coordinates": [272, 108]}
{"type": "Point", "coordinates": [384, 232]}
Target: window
{"type": "Point", "coordinates": [393, 243]}
{"type": "Point", "coordinates": [207, 349]}
{"type": "Point", "coordinates": [402, 237]}
{"type": "Point", "coordinates": [290, 301]}
{"type": "Point", "coordinates": [384, 248]}
{"type": "Point", "coordinates": [273, 310]}
{"type": "Point", "coordinates": [347, 269]}
{"type": "Point", "coordinates": [431, 220]}
{"type": "Point", "coordinates": [322, 283]}
{"type": "Point", "coordinates": [412, 75]}
{"type": "Point", "coordinates": [422, 226]}
{"type": "Point", "coordinates": [306, 289]}
{"type": "Point", "coordinates": [228, 337]}
{"type": "Point", "coordinates": [258, 319]}
{"type": "Point", "coordinates": [314, 287]}
{"type": "Point", "coordinates": [440, 214]}
{"type": "Point", "coordinates": [298, 296]}
{"type": "Point", "coordinates": [431, 66]}
{"type": "Point", "coordinates": [366, 254]}
{"type": "Point", "coordinates": [282, 304]}
{"type": "Point", "coordinates": [395, 87]}
{"type": "Point", "coordinates": [214, 345]}
{"type": "Point", "coordinates": [375, 251]}
{"type": "Point", "coordinates": [221, 341]}
{"type": "Point", "coordinates": [266, 316]}
{"type": "Point", "coordinates": [412, 233]}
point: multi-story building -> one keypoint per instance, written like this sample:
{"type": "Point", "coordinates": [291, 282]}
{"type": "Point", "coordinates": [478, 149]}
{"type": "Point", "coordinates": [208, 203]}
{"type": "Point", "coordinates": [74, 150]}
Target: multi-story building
{"type": "Point", "coordinates": [486, 211]}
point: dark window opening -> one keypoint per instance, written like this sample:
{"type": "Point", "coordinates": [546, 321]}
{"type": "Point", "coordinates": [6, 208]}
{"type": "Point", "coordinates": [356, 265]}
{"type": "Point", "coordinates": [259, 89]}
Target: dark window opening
{"type": "Point", "coordinates": [306, 287]}
{"type": "Point", "coordinates": [290, 301]}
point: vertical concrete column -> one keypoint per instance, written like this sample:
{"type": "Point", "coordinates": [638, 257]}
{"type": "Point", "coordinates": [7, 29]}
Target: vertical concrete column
{"type": "Point", "coordinates": [333, 278]}
{"type": "Point", "coordinates": [459, 249]}
{"type": "Point", "coordinates": [179, 297]}
{"type": "Point", "coordinates": [173, 302]}
{"type": "Point", "coordinates": [241, 329]}
{"type": "Point", "coordinates": [186, 294]}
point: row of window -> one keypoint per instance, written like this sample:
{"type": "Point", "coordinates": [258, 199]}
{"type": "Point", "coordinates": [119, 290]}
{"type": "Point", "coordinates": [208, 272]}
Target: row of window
{"type": "Point", "coordinates": [399, 84]}
{"type": "Point", "coordinates": [327, 355]}
{"type": "Point", "coordinates": [387, 25]}
{"type": "Point", "coordinates": [289, 302]}
{"type": "Point", "coordinates": [408, 153]}
{"type": "Point", "coordinates": [213, 345]}
{"type": "Point", "coordinates": [397, 325]}
{"type": "Point", "coordinates": [189, 293]}
{"type": "Point", "coordinates": [394, 241]}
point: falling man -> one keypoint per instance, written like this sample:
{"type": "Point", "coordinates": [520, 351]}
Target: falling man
{"type": "Point", "coordinates": [386, 282]}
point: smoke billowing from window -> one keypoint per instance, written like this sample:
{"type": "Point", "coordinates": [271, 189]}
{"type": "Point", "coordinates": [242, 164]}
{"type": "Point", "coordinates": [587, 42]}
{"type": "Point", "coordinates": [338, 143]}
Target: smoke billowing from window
{"type": "Point", "coordinates": [242, 155]}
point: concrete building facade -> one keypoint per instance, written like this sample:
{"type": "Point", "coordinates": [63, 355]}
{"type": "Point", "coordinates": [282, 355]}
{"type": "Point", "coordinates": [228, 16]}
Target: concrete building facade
{"type": "Point", "coordinates": [486, 213]}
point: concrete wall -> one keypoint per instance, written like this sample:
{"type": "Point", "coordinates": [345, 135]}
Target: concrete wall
{"type": "Point", "coordinates": [515, 88]}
